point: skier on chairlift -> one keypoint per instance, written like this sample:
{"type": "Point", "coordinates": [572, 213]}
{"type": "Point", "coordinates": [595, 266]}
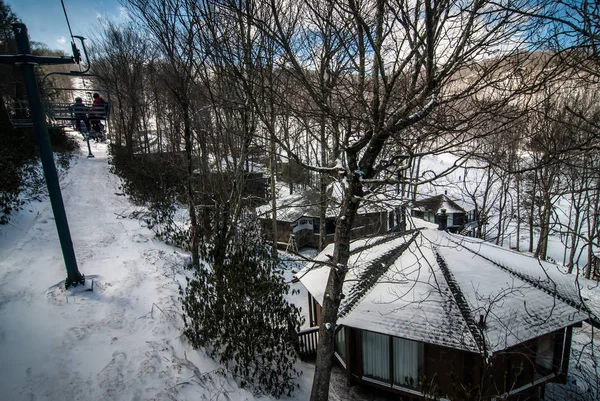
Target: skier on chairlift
{"type": "Point", "coordinates": [80, 113]}
{"type": "Point", "coordinates": [99, 112]}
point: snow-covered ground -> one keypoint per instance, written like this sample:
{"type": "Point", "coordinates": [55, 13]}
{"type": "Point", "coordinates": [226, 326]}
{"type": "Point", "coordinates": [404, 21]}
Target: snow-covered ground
{"type": "Point", "coordinates": [121, 342]}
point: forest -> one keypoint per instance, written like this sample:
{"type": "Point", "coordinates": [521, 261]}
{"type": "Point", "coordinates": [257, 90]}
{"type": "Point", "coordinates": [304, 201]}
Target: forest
{"type": "Point", "coordinates": [358, 95]}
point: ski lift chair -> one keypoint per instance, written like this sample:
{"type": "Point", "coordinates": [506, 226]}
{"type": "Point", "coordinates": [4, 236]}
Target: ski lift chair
{"type": "Point", "coordinates": [18, 113]}
{"type": "Point", "coordinates": [59, 110]}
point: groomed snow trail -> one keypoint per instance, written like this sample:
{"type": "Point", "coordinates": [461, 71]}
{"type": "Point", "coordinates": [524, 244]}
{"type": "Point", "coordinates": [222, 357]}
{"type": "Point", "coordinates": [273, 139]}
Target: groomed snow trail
{"type": "Point", "coordinates": [120, 342]}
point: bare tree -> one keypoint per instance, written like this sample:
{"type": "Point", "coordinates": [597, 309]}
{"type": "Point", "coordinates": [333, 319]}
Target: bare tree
{"type": "Point", "coordinates": [119, 56]}
{"type": "Point", "coordinates": [175, 35]}
{"type": "Point", "coordinates": [359, 93]}
{"type": "Point", "coordinates": [401, 61]}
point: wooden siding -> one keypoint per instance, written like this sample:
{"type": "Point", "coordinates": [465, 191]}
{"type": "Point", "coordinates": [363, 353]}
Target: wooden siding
{"type": "Point", "coordinates": [449, 371]}
{"type": "Point", "coordinates": [314, 312]}
{"type": "Point", "coordinates": [364, 225]}
{"type": "Point", "coordinates": [460, 374]}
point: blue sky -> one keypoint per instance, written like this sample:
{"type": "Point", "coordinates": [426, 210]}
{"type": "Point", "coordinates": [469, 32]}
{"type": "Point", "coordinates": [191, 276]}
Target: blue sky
{"type": "Point", "coordinates": [46, 22]}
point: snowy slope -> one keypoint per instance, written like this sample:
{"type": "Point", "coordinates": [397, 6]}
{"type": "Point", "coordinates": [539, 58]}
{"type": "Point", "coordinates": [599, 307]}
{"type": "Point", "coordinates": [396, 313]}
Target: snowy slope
{"type": "Point", "coordinates": [121, 342]}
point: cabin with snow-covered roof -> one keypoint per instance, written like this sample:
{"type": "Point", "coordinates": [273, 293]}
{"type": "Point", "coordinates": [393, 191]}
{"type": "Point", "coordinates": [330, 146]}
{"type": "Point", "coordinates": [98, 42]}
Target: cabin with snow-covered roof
{"type": "Point", "coordinates": [298, 219]}
{"type": "Point", "coordinates": [428, 313]}
{"type": "Point", "coordinates": [446, 212]}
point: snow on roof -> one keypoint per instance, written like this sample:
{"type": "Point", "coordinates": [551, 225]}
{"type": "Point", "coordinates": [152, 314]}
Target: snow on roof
{"type": "Point", "coordinates": [425, 287]}
{"type": "Point", "coordinates": [549, 277]}
{"type": "Point", "coordinates": [409, 300]}
{"type": "Point", "coordinates": [420, 223]}
{"type": "Point", "coordinates": [307, 204]}
{"type": "Point", "coordinates": [292, 207]}
{"type": "Point", "coordinates": [513, 309]}
{"type": "Point", "coordinates": [436, 203]}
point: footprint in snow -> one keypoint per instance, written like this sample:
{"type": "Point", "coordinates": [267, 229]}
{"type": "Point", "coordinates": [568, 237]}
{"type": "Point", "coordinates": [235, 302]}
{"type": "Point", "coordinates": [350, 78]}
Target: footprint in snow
{"type": "Point", "coordinates": [139, 238]}
{"type": "Point", "coordinates": [112, 376]}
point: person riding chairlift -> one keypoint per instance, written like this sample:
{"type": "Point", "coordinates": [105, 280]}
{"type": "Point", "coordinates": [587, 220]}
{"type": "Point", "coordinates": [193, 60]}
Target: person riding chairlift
{"type": "Point", "coordinates": [80, 113]}
{"type": "Point", "coordinates": [99, 111]}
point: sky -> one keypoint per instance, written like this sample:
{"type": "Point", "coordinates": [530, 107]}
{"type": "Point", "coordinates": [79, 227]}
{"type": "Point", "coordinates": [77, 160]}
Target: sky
{"type": "Point", "coordinates": [46, 23]}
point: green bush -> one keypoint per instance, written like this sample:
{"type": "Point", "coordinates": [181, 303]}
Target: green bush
{"type": "Point", "coordinates": [156, 181]}
{"type": "Point", "coordinates": [234, 305]}
{"type": "Point", "coordinates": [21, 178]}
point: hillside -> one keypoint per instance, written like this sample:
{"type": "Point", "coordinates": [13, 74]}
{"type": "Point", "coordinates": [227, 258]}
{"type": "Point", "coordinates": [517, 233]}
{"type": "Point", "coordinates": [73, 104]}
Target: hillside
{"type": "Point", "coordinates": [122, 341]}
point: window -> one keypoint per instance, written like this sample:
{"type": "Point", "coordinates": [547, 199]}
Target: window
{"type": "Point", "coordinates": [330, 226]}
{"type": "Point", "coordinates": [408, 356]}
{"type": "Point", "coordinates": [340, 343]}
{"type": "Point", "coordinates": [376, 356]}
{"type": "Point", "coordinates": [545, 352]}
{"type": "Point", "coordinates": [459, 219]}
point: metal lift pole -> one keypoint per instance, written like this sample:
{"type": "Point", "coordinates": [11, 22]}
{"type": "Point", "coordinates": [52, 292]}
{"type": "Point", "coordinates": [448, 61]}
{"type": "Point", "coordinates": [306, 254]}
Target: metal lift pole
{"type": "Point", "coordinates": [74, 278]}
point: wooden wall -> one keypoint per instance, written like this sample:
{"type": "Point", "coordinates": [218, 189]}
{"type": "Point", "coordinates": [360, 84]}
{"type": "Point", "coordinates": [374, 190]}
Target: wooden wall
{"type": "Point", "coordinates": [462, 375]}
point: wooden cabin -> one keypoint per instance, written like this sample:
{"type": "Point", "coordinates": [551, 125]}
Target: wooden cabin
{"type": "Point", "coordinates": [445, 212]}
{"type": "Point", "coordinates": [298, 222]}
{"type": "Point", "coordinates": [432, 314]}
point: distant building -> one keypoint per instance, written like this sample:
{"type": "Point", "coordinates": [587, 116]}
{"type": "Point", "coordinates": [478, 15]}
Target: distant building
{"type": "Point", "coordinates": [446, 213]}
{"type": "Point", "coordinates": [431, 314]}
{"type": "Point", "coordinates": [298, 222]}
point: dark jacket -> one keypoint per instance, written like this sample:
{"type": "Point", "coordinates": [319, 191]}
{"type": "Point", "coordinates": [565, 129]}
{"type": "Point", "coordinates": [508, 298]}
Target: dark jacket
{"type": "Point", "coordinates": [79, 110]}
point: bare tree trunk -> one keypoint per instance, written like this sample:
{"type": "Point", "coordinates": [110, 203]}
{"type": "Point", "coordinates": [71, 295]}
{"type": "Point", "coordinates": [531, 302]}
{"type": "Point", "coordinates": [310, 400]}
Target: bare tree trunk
{"type": "Point", "coordinates": [415, 186]}
{"type": "Point", "coordinates": [145, 128]}
{"type": "Point", "coordinates": [518, 184]}
{"type": "Point", "coordinates": [501, 206]}
{"type": "Point", "coordinates": [190, 183]}
{"type": "Point", "coordinates": [286, 138]}
{"type": "Point", "coordinates": [323, 191]}
{"type": "Point", "coordinates": [531, 212]}
{"type": "Point", "coordinates": [542, 245]}
{"type": "Point", "coordinates": [570, 262]}
{"type": "Point", "coordinates": [273, 169]}
{"type": "Point", "coordinates": [333, 297]}
{"type": "Point", "coordinates": [593, 231]}
{"type": "Point", "coordinates": [344, 223]}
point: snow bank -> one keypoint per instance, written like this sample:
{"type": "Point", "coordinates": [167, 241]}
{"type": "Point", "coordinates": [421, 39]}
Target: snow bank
{"type": "Point", "coordinates": [121, 342]}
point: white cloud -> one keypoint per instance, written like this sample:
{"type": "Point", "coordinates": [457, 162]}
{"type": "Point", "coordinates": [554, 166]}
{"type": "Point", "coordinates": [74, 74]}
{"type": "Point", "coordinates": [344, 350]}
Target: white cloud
{"type": "Point", "coordinates": [62, 40]}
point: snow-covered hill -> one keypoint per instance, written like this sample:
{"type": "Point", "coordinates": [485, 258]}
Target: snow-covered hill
{"type": "Point", "coordinates": [122, 341]}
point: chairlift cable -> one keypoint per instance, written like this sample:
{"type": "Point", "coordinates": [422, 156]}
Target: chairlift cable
{"type": "Point", "coordinates": [71, 33]}
{"type": "Point", "coordinates": [67, 18]}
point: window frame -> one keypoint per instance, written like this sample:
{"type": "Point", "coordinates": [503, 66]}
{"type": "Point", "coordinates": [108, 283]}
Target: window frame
{"type": "Point", "coordinates": [544, 353]}
{"type": "Point", "coordinates": [391, 364]}
{"type": "Point", "coordinates": [340, 357]}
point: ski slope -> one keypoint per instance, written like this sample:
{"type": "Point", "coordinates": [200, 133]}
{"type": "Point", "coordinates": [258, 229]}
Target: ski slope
{"type": "Point", "coordinates": [121, 342]}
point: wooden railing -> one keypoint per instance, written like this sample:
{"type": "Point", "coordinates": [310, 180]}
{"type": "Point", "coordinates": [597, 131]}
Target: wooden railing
{"type": "Point", "coordinates": [307, 341]}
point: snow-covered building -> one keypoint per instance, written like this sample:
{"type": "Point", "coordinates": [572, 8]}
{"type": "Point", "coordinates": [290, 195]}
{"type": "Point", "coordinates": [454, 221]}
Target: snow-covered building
{"type": "Point", "coordinates": [432, 313]}
{"type": "Point", "coordinates": [298, 221]}
{"type": "Point", "coordinates": [445, 212]}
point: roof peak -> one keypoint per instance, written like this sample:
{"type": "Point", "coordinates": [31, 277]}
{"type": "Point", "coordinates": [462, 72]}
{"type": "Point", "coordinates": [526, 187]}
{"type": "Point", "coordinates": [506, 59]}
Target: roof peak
{"type": "Point", "coordinates": [371, 275]}
{"type": "Point", "coordinates": [441, 201]}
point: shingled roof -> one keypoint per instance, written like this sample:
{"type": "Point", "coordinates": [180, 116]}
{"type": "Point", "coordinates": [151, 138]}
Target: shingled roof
{"type": "Point", "coordinates": [434, 287]}
{"type": "Point", "coordinates": [308, 204]}
{"type": "Point", "coordinates": [436, 203]}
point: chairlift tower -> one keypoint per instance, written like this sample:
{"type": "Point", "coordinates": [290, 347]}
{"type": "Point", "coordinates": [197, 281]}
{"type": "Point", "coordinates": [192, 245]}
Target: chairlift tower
{"type": "Point", "coordinates": [28, 61]}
